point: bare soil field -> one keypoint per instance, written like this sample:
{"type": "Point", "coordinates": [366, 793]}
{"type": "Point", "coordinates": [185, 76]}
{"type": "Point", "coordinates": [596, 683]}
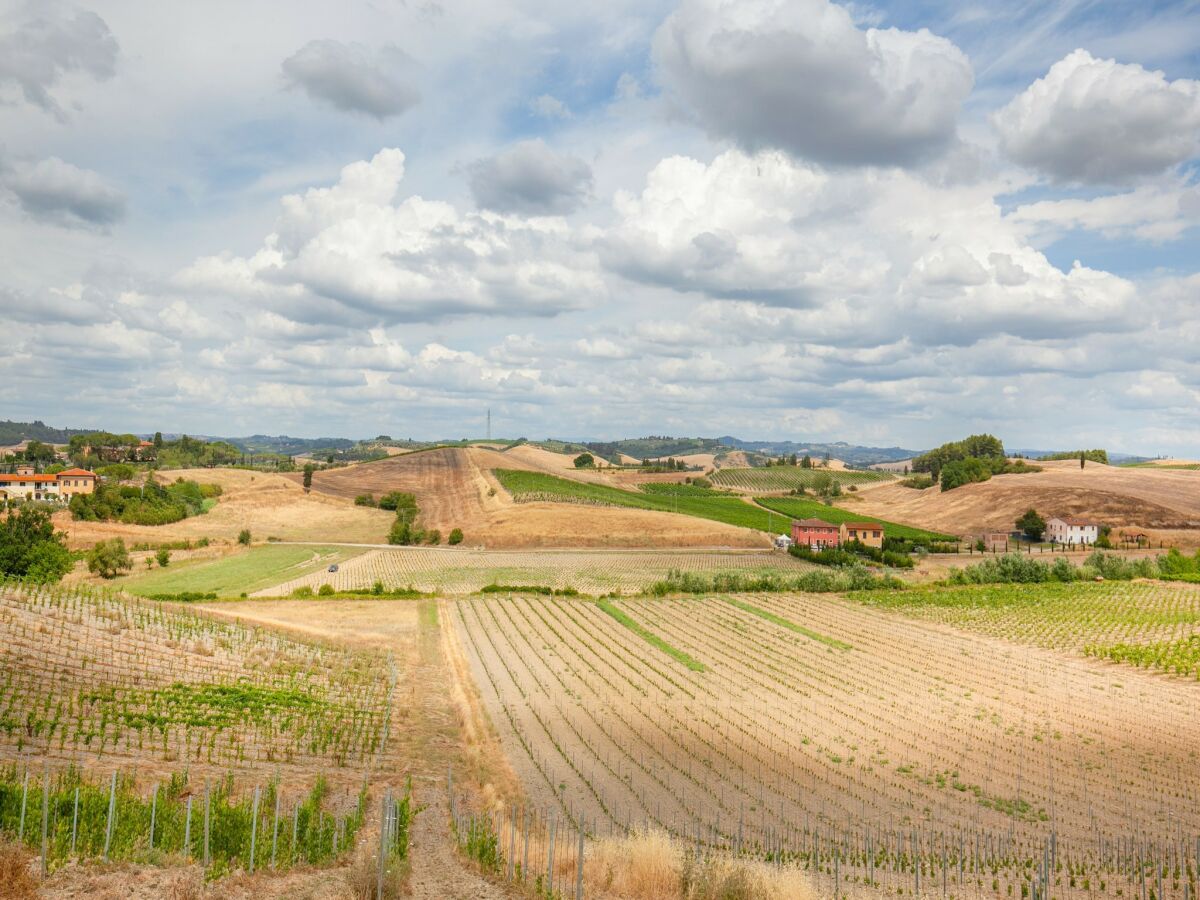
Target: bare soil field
{"type": "Point", "coordinates": [455, 489]}
{"type": "Point", "coordinates": [1165, 501]}
{"type": "Point", "coordinates": [270, 505]}
{"type": "Point", "coordinates": [466, 571]}
{"type": "Point", "coordinates": [815, 725]}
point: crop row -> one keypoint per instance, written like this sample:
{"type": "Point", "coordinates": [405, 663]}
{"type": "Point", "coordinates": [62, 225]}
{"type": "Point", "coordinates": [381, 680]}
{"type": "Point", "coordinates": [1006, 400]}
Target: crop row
{"type": "Point", "coordinates": [812, 712]}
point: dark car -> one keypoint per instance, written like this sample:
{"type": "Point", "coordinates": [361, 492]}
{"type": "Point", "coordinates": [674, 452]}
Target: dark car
{"type": "Point", "coordinates": [333, 568]}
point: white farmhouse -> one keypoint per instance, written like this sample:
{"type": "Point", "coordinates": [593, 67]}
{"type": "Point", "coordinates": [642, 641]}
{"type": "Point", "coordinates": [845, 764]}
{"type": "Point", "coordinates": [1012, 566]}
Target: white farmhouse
{"type": "Point", "coordinates": [1069, 530]}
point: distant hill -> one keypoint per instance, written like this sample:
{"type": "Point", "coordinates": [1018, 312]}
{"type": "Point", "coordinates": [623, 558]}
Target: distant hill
{"type": "Point", "coordinates": [289, 446]}
{"type": "Point", "coordinates": [15, 432]}
{"type": "Point", "coordinates": [851, 454]}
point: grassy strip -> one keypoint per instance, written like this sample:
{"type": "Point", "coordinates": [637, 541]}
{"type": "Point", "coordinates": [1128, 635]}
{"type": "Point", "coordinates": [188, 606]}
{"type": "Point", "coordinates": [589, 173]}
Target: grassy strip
{"type": "Point", "coordinates": [650, 637]}
{"type": "Point", "coordinates": [787, 623]}
{"type": "Point", "coordinates": [533, 486]}
{"type": "Point", "coordinates": [822, 581]}
{"type": "Point", "coordinates": [543, 589]}
{"type": "Point", "coordinates": [799, 508]}
{"type": "Point", "coordinates": [242, 571]}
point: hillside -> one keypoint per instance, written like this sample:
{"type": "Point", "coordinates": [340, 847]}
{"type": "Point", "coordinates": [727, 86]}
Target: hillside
{"type": "Point", "coordinates": [1164, 501]}
{"type": "Point", "coordinates": [16, 432]}
{"type": "Point", "coordinates": [455, 488]}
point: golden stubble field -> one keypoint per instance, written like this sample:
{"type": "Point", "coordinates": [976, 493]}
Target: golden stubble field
{"type": "Point", "coordinates": [1162, 502]}
{"type": "Point", "coordinates": [455, 488]}
{"type": "Point", "coordinates": [871, 734]}
{"type": "Point", "coordinates": [270, 505]}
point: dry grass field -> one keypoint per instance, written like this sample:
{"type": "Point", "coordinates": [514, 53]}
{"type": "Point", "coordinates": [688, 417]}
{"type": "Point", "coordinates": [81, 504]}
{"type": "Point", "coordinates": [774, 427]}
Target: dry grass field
{"type": "Point", "coordinates": [455, 489]}
{"type": "Point", "coordinates": [1162, 502]}
{"type": "Point", "coordinates": [270, 505]}
{"type": "Point", "coordinates": [831, 728]}
{"type": "Point", "coordinates": [466, 571]}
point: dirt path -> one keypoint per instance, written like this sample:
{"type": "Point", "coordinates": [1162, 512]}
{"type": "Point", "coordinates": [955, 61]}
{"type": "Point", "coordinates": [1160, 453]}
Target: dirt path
{"type": "Point", "coordinates": [431, 727]}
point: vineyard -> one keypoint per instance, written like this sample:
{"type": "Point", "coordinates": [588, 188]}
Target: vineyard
{"type": "Point", "coordinates": [1143, 623]}
{"type": "Point", "coordinates": [592, 572]}
{"type": "Point", "coordinates": [85, 675]}
{"type": "Point", "coordinates": [787, 478]}
{"type": "Point", "coordinates": [880, 753]}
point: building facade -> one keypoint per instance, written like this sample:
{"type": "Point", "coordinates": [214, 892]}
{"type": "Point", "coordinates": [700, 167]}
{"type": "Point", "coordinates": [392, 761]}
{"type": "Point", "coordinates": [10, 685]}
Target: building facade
{"type": "Point", "coordinates": [1069, 530]}
{"type": "Point", "coordinates": [815, 533]}
{"type": "Point", "coordinates": [868, 533]}
{"type": "Point", "coordinates": [26, 484]}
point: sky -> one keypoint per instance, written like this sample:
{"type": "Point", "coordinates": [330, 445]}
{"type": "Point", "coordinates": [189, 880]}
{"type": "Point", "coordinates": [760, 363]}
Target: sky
{"type": "Point", "coordinates": [890, 224]}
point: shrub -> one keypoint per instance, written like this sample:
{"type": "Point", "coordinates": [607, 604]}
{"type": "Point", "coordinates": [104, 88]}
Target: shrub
{"type": "Point", "coordinates": [303, 591]}
{"type": "Point", "coordinates": [585, 461]}
{"type": "Point", "coordinates": [398, 500]}
{"type": "Point", "coordinates": [244, 537]}
{"type": "Point", "coordinates": [433, 536]}
{"type": "Point", "coordinates": [456, 536]}
{"type": "Point", "coordinates": [364, 500]}
{"type": "Point", "coordinates": [109, 558]}
{"type": "Point", "coordinates": [326, 590]}
{"type": "Point", "coordinates": [163, 556]}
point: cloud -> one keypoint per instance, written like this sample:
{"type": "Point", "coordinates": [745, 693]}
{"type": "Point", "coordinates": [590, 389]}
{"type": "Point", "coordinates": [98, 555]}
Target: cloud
{"type": "Point", "coordinates": [532, 179]}
{"type": "Point", "coordinates": [855, 259]}
{"type": "Point", "coordinates": [55, 191]}
{"type": "Point", "coordinates": [351, 78]}
{"type": "Point", "coordinates": [549, 107]}
{"type": "Point", "coordinates": [389, 260]}
{"type": "Point", "coordinates": [1149, 213]}
{"type": "Point", "coordinates": [1097, 121]}
{"type": "Point", "coordinates": [50, 42]}
{"type": "Point", "coordinates": [800, 76]}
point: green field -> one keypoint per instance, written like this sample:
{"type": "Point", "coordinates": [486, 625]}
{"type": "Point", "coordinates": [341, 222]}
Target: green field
{"type": "Point", "coordinates": [247, 571]}
{"type": "Point", "coordinates": [799, 508]}
{"type": "Point", "coordinates": [786, 478]}
{"type": "Point", "coordinates": [532, 486]}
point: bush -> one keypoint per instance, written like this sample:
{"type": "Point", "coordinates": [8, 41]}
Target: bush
{"type": "Point", "coordinates": [456, 536]}
{"type": "Point", "coordinates": [109, 558]}
{"type": "Point", "coordinates": [326, 590]}
{"type": "Point", "coordinates": [585, 461]}
{"type": "Point", "coordinates": [364, 500]}
{"type": "Point", "coordinates": [398, 500]}
{"type": "Point", "coordinates": [404, 534]}
{"type": "Point", "coordinates": [30, 547]}
{"type": "Point", "coordinates": [244, 537]}
{"type": "Point", "coordinates": [117, 472]}
{"type": "Point", "coordinates": [163, 556]}
{"type": "Point", "coordinates": [1032, 524]}
{"type": "Point", "coordinates": [303, 591]}
{"type": "Point", "coordinates": [433, 536]}
{"type": "Point", "coordinates": [918, 482]}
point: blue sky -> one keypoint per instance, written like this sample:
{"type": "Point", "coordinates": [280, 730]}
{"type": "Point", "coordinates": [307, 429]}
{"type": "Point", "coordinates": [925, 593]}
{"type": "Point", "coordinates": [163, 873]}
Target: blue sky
{"type": "Point", "coordinates": [882, 223]}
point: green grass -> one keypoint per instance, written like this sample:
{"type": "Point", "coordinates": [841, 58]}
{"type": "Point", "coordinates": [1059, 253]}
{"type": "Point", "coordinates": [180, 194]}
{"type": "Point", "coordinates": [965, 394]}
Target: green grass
{"type": "Point", "coordinates": [785, 478]}
{"type": "Point", "coordinates": [1191, 467]}
{"type": "Point", "coordinates": [651, 638]}
{"type": "Point", "coordinates": [799, 508]}
{"type": "Point", "coordinates": [531, 486]}
{"type": "Point", "coordinates": [257, 568]}
{"type": "Point", "coordinates": [787, 623]}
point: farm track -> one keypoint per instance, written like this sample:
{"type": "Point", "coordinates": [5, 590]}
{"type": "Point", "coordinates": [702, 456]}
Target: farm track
{"type": "Point", "coordinates": [916, 727]}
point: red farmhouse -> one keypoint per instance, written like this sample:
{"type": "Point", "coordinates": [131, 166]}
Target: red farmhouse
{"type": "Point", "coordinates": [815, 533]}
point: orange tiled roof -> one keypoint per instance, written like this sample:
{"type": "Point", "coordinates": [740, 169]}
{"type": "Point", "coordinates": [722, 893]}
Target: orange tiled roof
{"type": "Point", "coordinates": [78, 473]}
{"type": "Point", "coordinates": [27, 478]}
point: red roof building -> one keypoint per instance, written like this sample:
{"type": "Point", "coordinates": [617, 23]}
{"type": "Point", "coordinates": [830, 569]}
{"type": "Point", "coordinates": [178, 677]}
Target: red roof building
{"type": "Point", "coordinates": [815, 533]}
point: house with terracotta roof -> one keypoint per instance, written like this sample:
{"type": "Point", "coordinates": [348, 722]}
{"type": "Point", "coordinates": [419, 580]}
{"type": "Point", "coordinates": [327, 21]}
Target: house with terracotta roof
{"type": "Point", "coordinates": [816, 534]}
{"type": "Point", "coordinates": [1072, 530]}
{"type": "Point", "coordinates": [26, 484]}
{"type": "Point", "coordinates": [868, 533]}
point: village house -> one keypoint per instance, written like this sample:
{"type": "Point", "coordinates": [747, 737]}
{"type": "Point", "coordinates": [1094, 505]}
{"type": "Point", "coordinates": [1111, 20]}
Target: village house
{"type": "Point", "coordinates": [867, 533]}
{"type": "Point", "coordinates": [1070, 530]}
{"type": "Point", "coordinates": [815, 534]}
{"type": "Point", "coordinates": [26, 484]}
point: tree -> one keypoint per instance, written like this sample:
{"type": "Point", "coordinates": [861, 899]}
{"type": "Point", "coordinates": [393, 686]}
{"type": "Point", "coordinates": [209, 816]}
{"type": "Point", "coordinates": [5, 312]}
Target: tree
{"type": "Point", "coordinates": [806, 463]}
{"type": "Point", "coordinates": [456, 536]}
{"type": "Point", "coordinates": [108, 559]}
{"type": "Point", "coordinates": [1033, 525]}
{"type": "Point", "coordinates": [244, 537]}
{"type": "Point", "coordinates": [585, 461]}
{"type": "Point", "coordinates": [31, 548]}
{"type": "Point", "coordinates": [308, 473]}
{"type": "Point", "coordinates": [163, 556]}
{"type": "Point", "coordinates": [1082, 459]}
{"type": "Point", "coordinates": [158, 441]}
